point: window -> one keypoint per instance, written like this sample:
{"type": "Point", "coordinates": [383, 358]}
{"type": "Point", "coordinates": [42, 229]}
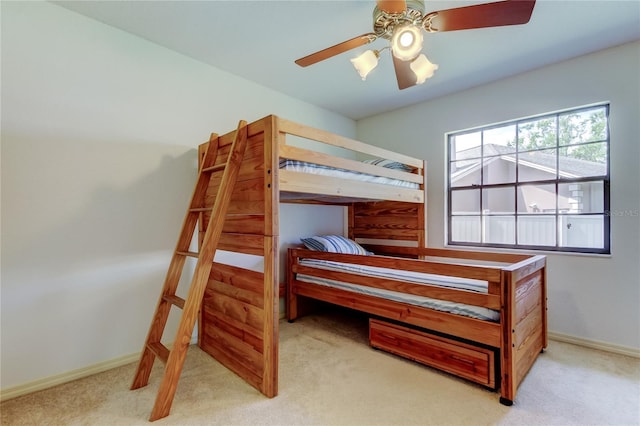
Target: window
{"type": "Point", "coordinates": [534, 183]}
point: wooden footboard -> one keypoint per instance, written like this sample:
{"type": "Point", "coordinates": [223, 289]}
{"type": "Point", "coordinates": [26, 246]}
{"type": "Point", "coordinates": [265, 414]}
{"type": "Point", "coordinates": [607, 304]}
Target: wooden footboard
{"type": "Point", "coordinates": [525, 322]}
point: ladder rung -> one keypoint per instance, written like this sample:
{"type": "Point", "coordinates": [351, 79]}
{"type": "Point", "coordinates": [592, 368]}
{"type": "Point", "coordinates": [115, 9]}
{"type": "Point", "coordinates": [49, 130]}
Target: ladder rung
{"type": "Point", "coordinates": [175, 300]}
{"type": "Point", "coordinates": [188, 253]}
{"type": "Point", "coordinates": [201, 209]}
{"type": "Point", "coordinates": [215, 168]}
{"type": "Point", "coordinates": [159, 350]}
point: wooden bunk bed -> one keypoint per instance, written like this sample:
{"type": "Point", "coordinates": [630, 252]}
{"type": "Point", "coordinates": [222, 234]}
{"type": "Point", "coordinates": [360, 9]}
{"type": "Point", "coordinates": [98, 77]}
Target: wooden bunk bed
{"type": "Point", "coordinates": [240, 311]}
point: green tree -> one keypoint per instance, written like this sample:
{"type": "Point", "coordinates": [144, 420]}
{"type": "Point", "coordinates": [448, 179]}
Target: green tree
{"type": "Point", "coordinates": [579, 135]}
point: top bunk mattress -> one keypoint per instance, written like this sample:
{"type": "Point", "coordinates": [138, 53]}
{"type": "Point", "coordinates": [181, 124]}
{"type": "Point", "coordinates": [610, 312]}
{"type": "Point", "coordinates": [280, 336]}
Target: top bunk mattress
{"type": "Point", "coordinates": [471, 311]}
{"type": "Point", "coordinates": [318, 169]}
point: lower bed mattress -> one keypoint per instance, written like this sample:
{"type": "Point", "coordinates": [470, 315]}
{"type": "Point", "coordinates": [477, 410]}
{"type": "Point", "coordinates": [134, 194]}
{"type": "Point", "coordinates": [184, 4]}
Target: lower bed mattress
{"type": "Point", "coordinates": [471, 311]}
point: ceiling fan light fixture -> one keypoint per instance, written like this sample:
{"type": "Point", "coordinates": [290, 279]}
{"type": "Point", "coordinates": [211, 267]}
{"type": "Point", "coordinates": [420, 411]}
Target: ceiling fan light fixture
{"type": "Point", "coordinates": [422, 68]}
{"type": "Point", "coordinates": [366, 62]}
{"type": "Point", "coordinates": [406, 41]}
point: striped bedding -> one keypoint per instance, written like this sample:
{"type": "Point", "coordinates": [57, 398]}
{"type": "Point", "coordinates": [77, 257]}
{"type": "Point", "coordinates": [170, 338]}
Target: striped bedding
{"type": "Point", "coordinates": [409, 276]}
{"type": "Point", "coordinates": [311, 168]}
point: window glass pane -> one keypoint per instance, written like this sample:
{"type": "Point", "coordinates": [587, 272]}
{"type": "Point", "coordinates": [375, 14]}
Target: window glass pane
{"type": "Point", "coordinates": [465, 201]}
{"type": "Point", "coordinates": [583, 126]}
{"type": "Point", "coordinates": [583, 160]}
{"type": "Point", "coordinates": [465, 229]}
{"type": "Point", "coordinates": [465, 146]}
{"type": "Point", "coordinates": [536, 134]}
{"type": "Point", "coordinates": [537, 198]}
{"type": "Point", "coordinates": [537, 230]}
{"type": "Point", "coordinates": [499, 140]}
{"type": "Point", "coordinates": [500, 229]}
{"type": "Point", "coordinates": [498, 200]}
{"type": "Point", "coordinates": [537, 165]}
{"type": "Point", "coordinates": [498, 170]}
{"type": "Point", "coordinates": [581, 231]}
{"type": "Point", "coordinates": [465, 172]}
{"type": "Point", "coordinates": [540, 182]}
{"type": "Point", "coordinates": [581, 197]}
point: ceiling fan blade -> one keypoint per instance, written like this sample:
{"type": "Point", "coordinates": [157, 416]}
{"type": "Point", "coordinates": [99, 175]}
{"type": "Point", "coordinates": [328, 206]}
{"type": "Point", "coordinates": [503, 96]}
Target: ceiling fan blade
{"type": "Point", "coordinates": [336, 49]}
{"type": "Point", "coordinates": [404, 74]}
{"type": "Point", "coordinates": [497, 14]}
{"type": "Point", "coordinates": [392, 6]}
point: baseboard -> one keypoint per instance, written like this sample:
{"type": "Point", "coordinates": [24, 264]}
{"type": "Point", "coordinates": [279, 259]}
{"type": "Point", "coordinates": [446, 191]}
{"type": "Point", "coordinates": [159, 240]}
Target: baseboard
{"type": "Point", "coordinates": [594, 344]}
{"type": "Point", "coordinates": [58, 379]}
{"type": "Point", "coordinates": [69, 376]}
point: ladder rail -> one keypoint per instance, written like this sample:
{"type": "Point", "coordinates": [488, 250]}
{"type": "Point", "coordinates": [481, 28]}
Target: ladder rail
{"type": "Point", "coordinates": [201, 275]}
{"type": "Point", "coordinates": [172, 278]}
{"type": "Point", "coordinates": [191, 305]}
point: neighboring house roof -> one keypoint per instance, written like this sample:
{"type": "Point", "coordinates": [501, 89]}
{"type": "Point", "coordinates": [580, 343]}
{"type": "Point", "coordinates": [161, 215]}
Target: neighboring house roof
{"type": "Point", "coordinates": [540, 160]}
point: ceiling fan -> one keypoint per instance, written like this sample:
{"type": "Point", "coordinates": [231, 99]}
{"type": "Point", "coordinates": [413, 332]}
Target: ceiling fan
{"type": "Point", "coordinates": [402, 21]}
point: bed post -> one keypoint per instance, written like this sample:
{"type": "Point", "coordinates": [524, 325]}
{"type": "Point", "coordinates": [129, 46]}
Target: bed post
{"type": "Point", "coordinates": [524, 322]}
{"type": "Point", "coordinates": [271, 294]}
{"type": "Point", "coordinates": [292, 299]}
{"type": "Point", "coordinates": [507, 362]}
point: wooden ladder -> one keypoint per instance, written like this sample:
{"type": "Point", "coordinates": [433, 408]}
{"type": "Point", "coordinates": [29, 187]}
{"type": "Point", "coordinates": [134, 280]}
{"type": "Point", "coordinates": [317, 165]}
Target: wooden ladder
{"type": "Point", "coordinates": [174, 357]}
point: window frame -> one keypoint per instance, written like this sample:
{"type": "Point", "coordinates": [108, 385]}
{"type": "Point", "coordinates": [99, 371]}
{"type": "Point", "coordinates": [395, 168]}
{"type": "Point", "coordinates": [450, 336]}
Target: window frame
{"type": "Point", "coordinates": [515, 183]}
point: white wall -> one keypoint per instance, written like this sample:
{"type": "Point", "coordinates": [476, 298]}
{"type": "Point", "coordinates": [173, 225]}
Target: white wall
{"type": "Point", "coordinates": [99, 137]}
{"type": "Point", "coordinates": [591, 298]}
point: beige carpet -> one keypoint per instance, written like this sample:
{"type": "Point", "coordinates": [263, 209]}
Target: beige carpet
{"type": "Point", "coordinates": [330, 376]}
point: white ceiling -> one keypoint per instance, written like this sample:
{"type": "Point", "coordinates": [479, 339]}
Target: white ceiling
{"type": "Point", "coordinates": [259, 40]}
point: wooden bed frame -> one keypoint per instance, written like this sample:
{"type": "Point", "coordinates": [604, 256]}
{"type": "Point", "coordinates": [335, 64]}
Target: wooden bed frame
{"type": "Point", "coordinates": [517, 289]}
{"type": "Point", "coordinates": [238, 322]}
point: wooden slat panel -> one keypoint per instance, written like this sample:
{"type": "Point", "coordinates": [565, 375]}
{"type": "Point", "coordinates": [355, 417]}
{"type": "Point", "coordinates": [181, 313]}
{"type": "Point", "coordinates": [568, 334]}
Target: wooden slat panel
{"type": "Point", "coordinates": [294, 153]}
{"type": "Point", "coordinates": [528, 296]}
{"type": "Point", "coordinates": [241, 331]}
{"type": "Point", "coordinates": [238, 277]}
{"type": "Point", "coordinates": [323, 136]}
{"type": "Point", "coordinates": [232, 361]}
{"type": "Point", "coordinates": [386, 222]}
{"type": "Point", "coordinates": [462, 271]}
{"type": "Point", "coordinates": [242, 312]}
{"type": "Point", "coordinates": [526, 356]}
{"type": "Point", "coordinates": [506, 258]}
{"type": "Point", "coordinates": [250, 169]}
{"type": "Point", "coordinates": [387, 234]}
{"type": "Point", "coordinates": [385, 208]}
{"type": "Point", "coordinates": [245, 224]}
{"type": "Point", "coordinates": [307, 183]}
{"type": "Point", "coordinates": [244, 207]}
{"type": "Point", "coordinates": [253, 150]}
{"type": "Point", "coordinates": [527, 328]}
{"type": "Point", "coordinates": [248, 190]}
{"type": "Point", "coordinates": [245, 296]}
{"type": "Point", "coordinates": [399, 251]}
{"type": "Point", "coordinates": [242, 243]}
{"type": "Point", "coordinates": [473, 255]}
{"type": "Point", "coordinates": [435, 292]}
{"type": "Point", "coordinates": [467, 328]}
{"type": "Point", "coordinates": [253, 129]}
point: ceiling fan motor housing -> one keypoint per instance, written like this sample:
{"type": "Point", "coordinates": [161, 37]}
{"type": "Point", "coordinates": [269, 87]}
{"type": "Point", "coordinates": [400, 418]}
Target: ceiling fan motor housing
{"type": "Point", "coordinates": [384, 23]}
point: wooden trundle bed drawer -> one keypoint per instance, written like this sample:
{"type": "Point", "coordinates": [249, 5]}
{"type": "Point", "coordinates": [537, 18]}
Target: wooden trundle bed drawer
{"type": "Point", "coordinates": [464, 360]}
